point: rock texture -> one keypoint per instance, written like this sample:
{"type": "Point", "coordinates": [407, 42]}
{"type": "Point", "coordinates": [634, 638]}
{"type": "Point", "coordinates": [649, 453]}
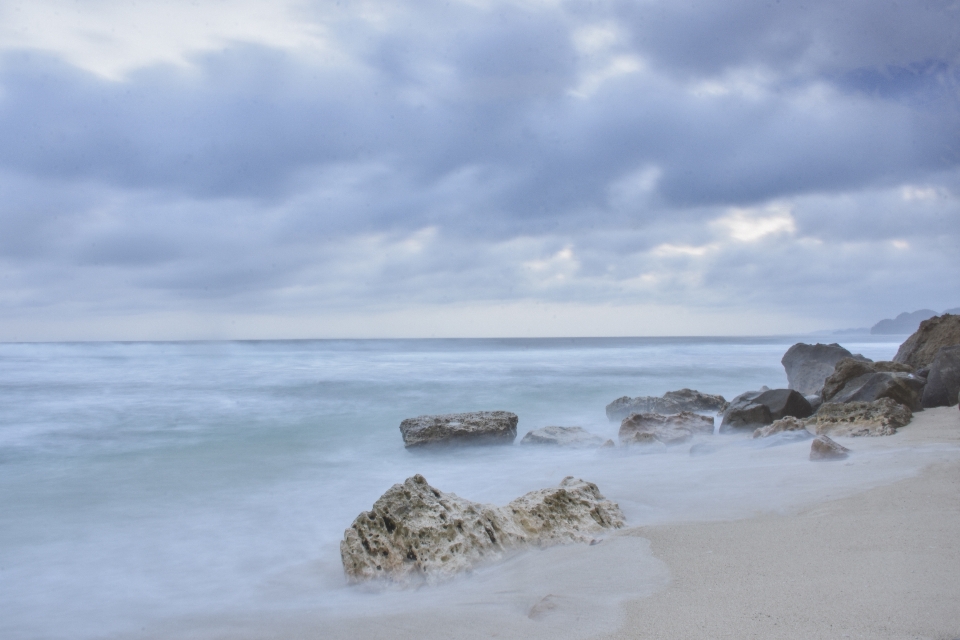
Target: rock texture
{"type": "Point", "coordinates": [921, 348]}
{"type": "Point", "coordinates": [478, 427]}
{"type": "Point", "coordinates": [878, 418]}
{"type": "Point", "coordinates": [755, 409]}
{"type": "Point", "coordinates": [943, 381]}
{"type": "Point", "coordinates": [847, 369]}
{"type": "Point", "coordinates": [575, 437]}
{"type": "Point", "coordinates": [809, 365]}
{"type": "Point", "coordinates": [643, 428]}
{"type": "Point", "coordinates": [779, 426]}
{"type": "Point", "coordinates": [417, 533]}
{"type": "Point", "coordinates": [858, 381]}
{"type": "Point", "coordinates": [671, 402]}
{"type": "Point", "coordinates": [823, 448]}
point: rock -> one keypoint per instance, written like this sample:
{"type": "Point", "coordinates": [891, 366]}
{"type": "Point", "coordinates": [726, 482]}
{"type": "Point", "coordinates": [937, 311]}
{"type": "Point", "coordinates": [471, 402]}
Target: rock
{"type": "Point", "coordinates": [823, 448]}
{"type": "Point", "coordinates": [478, 427]}
{"type": "Point", "coordinates": [922, 347]}
{"type": "Point", "coordinates": [904, 388]}
{"type": "Point", "coordinates": [903, 323]}
{"type": "Point", "coordinates": [779, 426]}
{"type": "Point", "coordinates": [575, 437]}
{"type": "Point", "coordinates": [943, 382]}
{"type": "Point", "coordinates": [640, 428]}
{"type": "Point", "coordinates": [671, 402]}
{"type": "Point", "coordinates": [609, 444]}
{"type": "Point", "coordinates": [849, 369]}
{"type": "Point", "coordinates": [808, 365]}
{"type": "Point", "coordinates": [815, 401]}
{"type": "Point", "coordinates": [755, 409]}
{"type": "Point", "coordinates": [878, 418]}
{"type": "Point", "coordinates": [417, 533]}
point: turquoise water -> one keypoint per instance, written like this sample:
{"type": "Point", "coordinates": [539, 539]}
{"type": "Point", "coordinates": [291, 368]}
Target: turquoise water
{"type": "Point", "coordinates": [147, 482]}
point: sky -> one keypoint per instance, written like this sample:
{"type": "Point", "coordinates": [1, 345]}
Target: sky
{"type": "Point", "coordinates": [296, 169]}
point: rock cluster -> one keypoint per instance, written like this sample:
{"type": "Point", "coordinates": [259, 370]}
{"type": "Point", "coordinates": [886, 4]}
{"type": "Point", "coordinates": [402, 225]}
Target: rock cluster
{"type": "Point", "coordinates": [755, 409]}
{"type": "Point", "coordinates": [823, 448]}
{"type": "Point", "coordinates": [417, 533]}
{"type": "Point", "coordinates": [574, 437]}
{"type": "Point", "coordinates": [478, 427]}
{"type": "Point", "coordinates": [878, 418]}
{"type": "Point", "coordinates": [920, 349]}
{"type": "Point", "coordinates": [644, 428]}
{"type": "Point", "coordinates": [809, 365]}
{"type": "Point", "coordinates": [670, 402]}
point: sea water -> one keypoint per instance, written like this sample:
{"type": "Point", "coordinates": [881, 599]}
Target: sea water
{"type": "Point", "coordinates": [147, 485]}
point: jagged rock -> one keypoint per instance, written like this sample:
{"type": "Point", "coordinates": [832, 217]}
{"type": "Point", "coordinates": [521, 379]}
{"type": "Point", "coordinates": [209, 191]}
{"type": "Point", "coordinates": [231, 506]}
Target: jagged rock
{"type": "Point", "coordinates": [575, 437]}
{"type": "Point", "coordinates": [921, 348]}
{"type": "Point", "coordinates": [856, 380]}
{"type": "Point", "coordinates": [478, 427]}
{"type": "Point", "coordinates": [809, 365]}
{"type": "Point", "coordinates": [417, 533]}
{"type": "Point", "coordinates": [642, 428]}
{"type": "Point", "coordinates": [823, 448]}
{"type": "Point", "coordinates": [671, 402]}
{"type": "Point", "coordinates": [943, 381]}
{"type": "Point", "coordinates": [878, 418]}
{"type": "Point", "coordinates": [755, 409]}
{"type": "Point", "coordinates": [779, 426]}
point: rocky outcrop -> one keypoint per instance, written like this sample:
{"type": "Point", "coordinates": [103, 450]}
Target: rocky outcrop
{"type": "Point", "coordinates": [645, 428]}
{"type": "Point", "coordinates": [943, 380]}
{"type": "Point", "coordinates": [417, 533]}
{"type": "Point", "coordinates": [671, 402]}
{"type": "Point", "coordinates": [809, 365]}
{"type": "Point", "coordinates": [755, 409]}
{"type": "Point", "coordinates": [858, 381]}
{"type": "Point", "coordinates": [922, 347]}
{"type": "Point", "coordinates": [878, 418]}
{"type": "Point", "coordinates": [574, 437]}
{"type": "Point", "coordinates": [823, 448]}
{"type": "Point", "coordinates": [847, 369]}
{"type": "Point", "coordinates": [478, 427]}
{"type": "Point", "coordinates": [779, 426]}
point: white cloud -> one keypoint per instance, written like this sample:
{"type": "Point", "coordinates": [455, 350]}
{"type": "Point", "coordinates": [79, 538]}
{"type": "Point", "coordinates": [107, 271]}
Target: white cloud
{"type": "Point", "coordinates": [750, 225]}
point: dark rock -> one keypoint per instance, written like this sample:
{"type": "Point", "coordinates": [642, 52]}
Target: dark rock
{"type": "Point", "coordinates": [823, 448]}
{"type": "Point", "coordinates": [815, 401]}
{"type": "Point", "coordinates": [903, 324]}
{"type": "Point", "coordinates": [878, 418]}
{"type": "Point", "coordinates": [671, 402]}
{"type": "Point", "coordinates": [640, 428]}
{"type": "Point", "coordinates": [904, 388]}
{"type": "Point", "coordinates": [755, 409]}
{"type": "Point", "coordinates": [808, 365]}
{"type": "Point", "coordinates": [784, 403]}
{"type": "Point", "coordinates": [922, 347]}
{"type": "Point", "coordinates": [478, 427]}
{"type": "Point", "coordinates": [848, 369]}
{"type": "Point", "coordinates": [943, 383]}
{"type": "Point", "coordinates": [573, 437]}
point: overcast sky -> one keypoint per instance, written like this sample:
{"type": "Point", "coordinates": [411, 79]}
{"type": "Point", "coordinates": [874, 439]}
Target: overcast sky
{"type": "Point", "coordinates": [180, 169]}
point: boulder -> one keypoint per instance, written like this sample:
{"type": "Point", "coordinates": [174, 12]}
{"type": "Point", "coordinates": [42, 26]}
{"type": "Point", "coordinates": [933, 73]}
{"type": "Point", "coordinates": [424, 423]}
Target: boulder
{"type": "Point", "coordinates": [642, 428]}
{"type": "Point", "coordinates": [574, 437]}
{"type": "Point", "coordinates": [922, 347]}
{"type": "Point", "coordinates": [416, 533]}
{"type": "Point", "coordinates": [755, 409]}
{"type": "Point", "coordinates": [943, 381]}
{"type": "Point", "coordinates": [478, 427]}
{"type": "Point", "coordinates": [779, 426]}
{"type": "Point", "coordinates": [878, 418]}
{"type": "Point", "coordinates": [840, 383]}
{"type": "Point", "coordinates": [823, 448]}
{"type": "Point", "coordinates": [809, 365]}
{"type": "Point", "coordinates": [670, 402]}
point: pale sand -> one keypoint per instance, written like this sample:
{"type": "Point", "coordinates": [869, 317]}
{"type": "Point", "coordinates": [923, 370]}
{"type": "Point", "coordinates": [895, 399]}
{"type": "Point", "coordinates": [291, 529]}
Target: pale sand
{"type": "Point", "coordinates": [880, 564]}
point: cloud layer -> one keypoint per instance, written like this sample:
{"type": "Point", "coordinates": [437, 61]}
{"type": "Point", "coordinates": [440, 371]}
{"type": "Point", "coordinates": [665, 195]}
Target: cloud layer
{"type": "Point", "coordinates": [336, 165]}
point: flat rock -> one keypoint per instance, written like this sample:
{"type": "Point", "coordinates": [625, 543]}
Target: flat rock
{"type": "Point", "coordinates": [922, 347]}
{"type": "Point", "coordinates": [878, 418]}
{"type": "Point", "coordinates": [453, 429]}
{"type": "Point", "coordinates": [670, 402]}
{"type": "Point", "coordinates": [779, 426]}
{"type": "Point", "coordinates": [943, 380]}
{"type": "Point", "coordinates": [823, 448]}
{"type": "Point", "coordinates": [416, 533]}
{"type": "Point", "coordinates": [644, 428]}
{"type": "Point", "coordinates": [574, 437]}
{"type": "Point", "coordinates": [809, 365]}
{"type": "Point", "coordinates": [755, 409]}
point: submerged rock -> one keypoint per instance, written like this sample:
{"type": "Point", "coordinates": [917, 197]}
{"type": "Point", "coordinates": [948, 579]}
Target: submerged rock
{"type": "Point", "coordinates": [418, 533]}
{"type": "Point", "coordinates": [478, 427]}
{"type": "Point", "coordinates": [670, 402]}
{"type": "Point", "coordinates": [644, 428]}
{"type": "Point", "coordinates": [823, 448]}
{"type": "Point", "coordinates": [755, 409]}
{"type": "Point", "coordinates": [943, 381]}
{"type": "Point", "coordinates": [921, 348]}
{"type": "Point", "coordinates": [809, 365]}
{"type": "Point", "coordinates": [574, 437]}
{"type": "Point", "coordinates": [779, 426]}
{"type": "Point", "coordinates": [878, 418]}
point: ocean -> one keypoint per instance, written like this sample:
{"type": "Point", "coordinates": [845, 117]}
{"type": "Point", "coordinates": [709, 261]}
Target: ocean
{"type": "Point", "coordinates": [173, 488]}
